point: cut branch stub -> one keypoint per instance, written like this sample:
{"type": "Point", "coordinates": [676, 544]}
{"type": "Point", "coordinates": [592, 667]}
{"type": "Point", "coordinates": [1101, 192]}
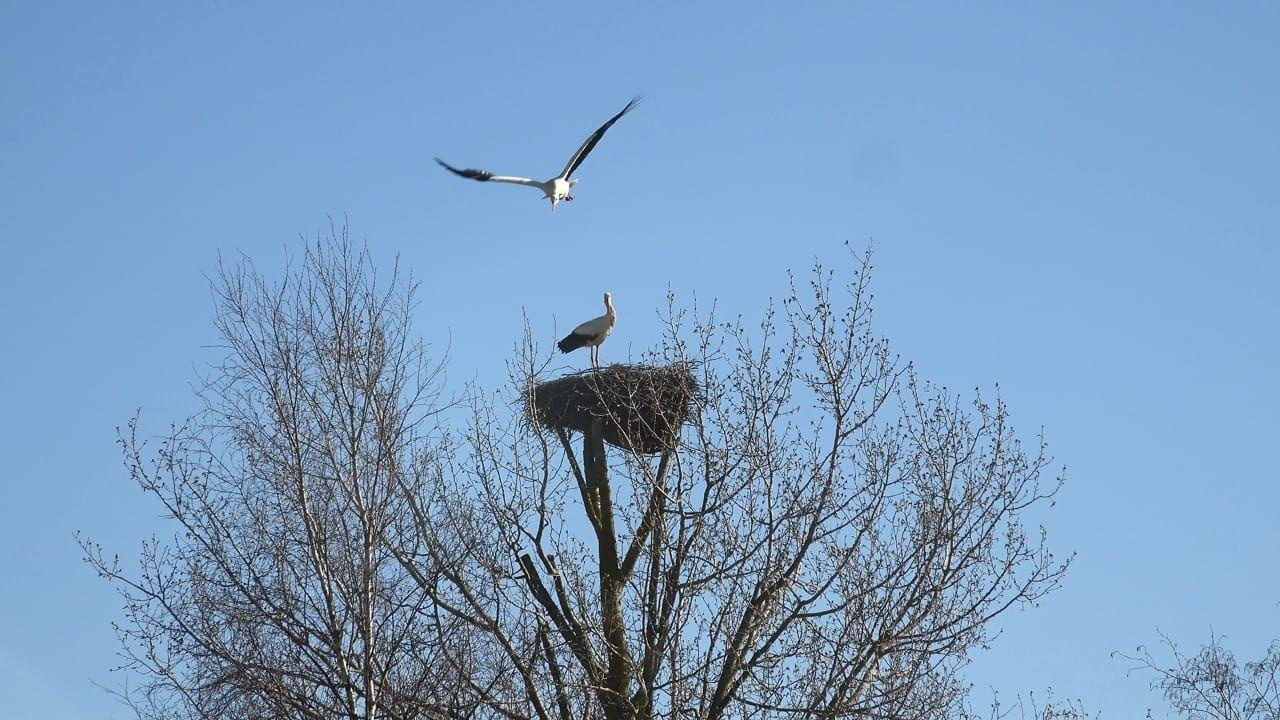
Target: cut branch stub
{"type": "Point", "coordinates": [640, 407]}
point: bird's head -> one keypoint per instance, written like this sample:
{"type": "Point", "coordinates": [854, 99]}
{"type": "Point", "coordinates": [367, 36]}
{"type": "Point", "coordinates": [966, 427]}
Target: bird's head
{"type": "Point", "coordinates": [608, 303]}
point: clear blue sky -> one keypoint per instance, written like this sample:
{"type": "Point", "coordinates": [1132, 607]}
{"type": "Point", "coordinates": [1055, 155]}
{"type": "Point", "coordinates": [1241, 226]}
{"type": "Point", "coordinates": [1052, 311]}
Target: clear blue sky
{"type": "Point", "coordinates": [1080, 202]}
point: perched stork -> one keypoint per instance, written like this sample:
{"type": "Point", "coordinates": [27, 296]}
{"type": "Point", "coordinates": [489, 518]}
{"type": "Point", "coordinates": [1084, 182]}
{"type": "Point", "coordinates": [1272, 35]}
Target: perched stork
{"type": "Point", "coordinates": [558, 188]}
{"type": "Point", "coordinates": [591, 333]}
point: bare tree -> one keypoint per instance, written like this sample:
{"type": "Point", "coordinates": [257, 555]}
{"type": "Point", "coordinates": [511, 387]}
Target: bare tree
{"type": "Point", "coordinates": [1211, 684]}
{"type": "Point", "coordinates": [277, 598]}
{"type": "Point", "coordinates": [828, 536]}
{"type": "Point", "coordinates": [1031, 707]}
{"type": "Point", "coordinates": [831, 537]}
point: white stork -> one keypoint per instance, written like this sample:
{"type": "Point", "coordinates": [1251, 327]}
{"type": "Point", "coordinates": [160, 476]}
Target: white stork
{"type": "Point", "coordinates": [559, 187]}
{"type": "Point", "coordinates": [592, 332]}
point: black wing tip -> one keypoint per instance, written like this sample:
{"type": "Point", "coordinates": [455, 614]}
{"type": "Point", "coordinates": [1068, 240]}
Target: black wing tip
{"type": "Point", "coordinates": [467, 173]}
{"type": "Point", "coordinates": [572, 342]}
{"type": "Point", "coordinates": [631, 104]}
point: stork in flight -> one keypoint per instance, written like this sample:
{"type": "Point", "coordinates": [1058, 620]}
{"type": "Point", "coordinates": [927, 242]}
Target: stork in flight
{"type": "Point", "coordinates": [560, 187]}
{"type": "Point", "coordinates": [591, 333]}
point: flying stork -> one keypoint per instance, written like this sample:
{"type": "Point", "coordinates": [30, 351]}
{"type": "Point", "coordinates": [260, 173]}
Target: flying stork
{"type": "Point", "coordinates": [558, 188]}
{"type": "Point", "coordinates": [591, 333]}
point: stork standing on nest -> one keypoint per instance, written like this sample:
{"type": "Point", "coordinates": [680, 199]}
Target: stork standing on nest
{"type": "Point", "coordinates": [592, 332]}
{"type": "Point", "coordinates": [558, 188]}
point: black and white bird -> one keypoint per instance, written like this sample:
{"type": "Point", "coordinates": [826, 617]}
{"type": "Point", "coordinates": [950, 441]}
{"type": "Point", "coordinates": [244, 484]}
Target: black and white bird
{"type": "Point", "coordinates": [560, 187]}
{"type": "Point", "coordinates": [591, 333]}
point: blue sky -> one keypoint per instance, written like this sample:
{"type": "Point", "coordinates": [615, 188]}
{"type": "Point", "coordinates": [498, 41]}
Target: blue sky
{"type": "Point", "coordinates": [1080, 202]}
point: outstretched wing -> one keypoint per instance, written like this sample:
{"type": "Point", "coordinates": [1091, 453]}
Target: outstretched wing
{"type": "Point", "coordinates": [590, 143]}
{"type": "Point", "coordinates": [485, 175]}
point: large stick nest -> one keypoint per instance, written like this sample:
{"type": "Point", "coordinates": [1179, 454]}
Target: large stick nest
{"type": "Point", "coordinates": [641, 407]}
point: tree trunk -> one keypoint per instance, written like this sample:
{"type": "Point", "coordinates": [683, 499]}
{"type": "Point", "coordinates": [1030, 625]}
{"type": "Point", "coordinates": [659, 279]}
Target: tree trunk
{"type": "Point", "coordinates": [615, 696]}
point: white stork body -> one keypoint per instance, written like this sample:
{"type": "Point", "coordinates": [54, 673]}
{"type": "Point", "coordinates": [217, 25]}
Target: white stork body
{"type": "Point", "coordinates": [559, 188]}
{"type": "Point", "coordinates": [591, 333]}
